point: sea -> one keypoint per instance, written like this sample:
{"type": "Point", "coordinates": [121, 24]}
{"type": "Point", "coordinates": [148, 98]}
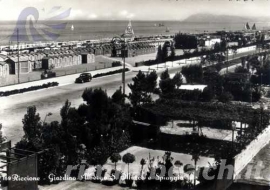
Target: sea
{"type": "Point", "coordinates": [41, 31]}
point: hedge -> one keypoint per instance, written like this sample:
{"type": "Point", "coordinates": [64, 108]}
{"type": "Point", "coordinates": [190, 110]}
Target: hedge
{"type": "Point", "coordinates": [116, 64]}
{"type": "Point", "coordinates": [110, 73]}
{"type": "Point", "coordinates": [32, 88]}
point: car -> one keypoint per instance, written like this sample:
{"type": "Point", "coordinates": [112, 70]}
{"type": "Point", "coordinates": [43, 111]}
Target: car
{"type": "Point", "coordinates": [84, 77]}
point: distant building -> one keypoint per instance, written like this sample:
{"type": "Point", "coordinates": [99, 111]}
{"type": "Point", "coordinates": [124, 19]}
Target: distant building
{"type": "Point", "coordinates": [231, 44]}
{"type": "Point", "coordinates": [25, 65]}
{"type": "Point", "coordinates": [59, 61]}
{"type": "Point", "coordinates": [212, 42]}
{"type": "Point", "coordinates": [129, 33]}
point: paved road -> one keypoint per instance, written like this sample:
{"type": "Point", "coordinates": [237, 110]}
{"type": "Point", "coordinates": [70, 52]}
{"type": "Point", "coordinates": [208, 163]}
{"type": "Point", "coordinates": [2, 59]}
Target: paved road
{"type": "Point", "coordinates": [51, 100]}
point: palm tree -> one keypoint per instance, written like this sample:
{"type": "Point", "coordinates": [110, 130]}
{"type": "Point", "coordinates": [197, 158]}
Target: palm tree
{"type": "Point", "coordinates": [143, 162]}
{"type": "Point", "coordinates": [189, 169]}
{"type": "Point", "coordinates": [178, 164]}
{"type": "Point", "coordinates": [115, 157]}
{"type": "Point", "coordinates": [128, 159]}
{"type": "Point", "coordinates": [195, 157]}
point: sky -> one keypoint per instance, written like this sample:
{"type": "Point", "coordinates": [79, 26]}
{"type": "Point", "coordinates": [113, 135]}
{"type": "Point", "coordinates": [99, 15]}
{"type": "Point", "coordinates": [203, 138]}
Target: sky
{"type": "Point", "coordinates": [135, 9]}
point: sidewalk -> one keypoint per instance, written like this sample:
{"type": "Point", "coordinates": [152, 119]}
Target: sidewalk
{"type": "Point", "coordinates": [63, 80]}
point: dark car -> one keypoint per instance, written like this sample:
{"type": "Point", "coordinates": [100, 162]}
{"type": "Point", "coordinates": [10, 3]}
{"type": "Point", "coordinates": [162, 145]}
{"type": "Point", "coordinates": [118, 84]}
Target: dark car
{"type": "Point", "coordinates": [84, 77]}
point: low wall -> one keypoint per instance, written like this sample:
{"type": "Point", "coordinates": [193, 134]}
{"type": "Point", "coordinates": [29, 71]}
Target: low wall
{"type": "Point", "coordinates": [188, 61]}
{"type": "Point", "coordinates": [246, 49]}
{"type": "Point", "coordinates": [241, 160]}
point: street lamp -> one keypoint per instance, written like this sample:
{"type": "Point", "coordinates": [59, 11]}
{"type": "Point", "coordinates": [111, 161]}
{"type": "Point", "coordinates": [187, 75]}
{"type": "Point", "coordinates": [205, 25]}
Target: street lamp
{"type": "Point", "coordinates": [47, 115]}
{"type": "Point", "coordinates": [124, 53]}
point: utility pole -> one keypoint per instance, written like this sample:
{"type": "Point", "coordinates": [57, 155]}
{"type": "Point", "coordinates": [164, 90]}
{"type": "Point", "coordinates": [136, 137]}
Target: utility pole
{"type": "Point", "coordinates": [18, 52]}
{"type": "Point", "coordinates": [124, 66]}
{"type": "Point", "coordinates": [227, 55]}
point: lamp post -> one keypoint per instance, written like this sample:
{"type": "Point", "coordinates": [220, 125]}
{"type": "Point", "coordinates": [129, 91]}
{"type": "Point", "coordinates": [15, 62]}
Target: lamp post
{"type": "Point", "coordinates": [47, 115]}
{"type": "Point", "coordinates": [18, 52]}
{"type": "Point", "coordinates": [124, 53]}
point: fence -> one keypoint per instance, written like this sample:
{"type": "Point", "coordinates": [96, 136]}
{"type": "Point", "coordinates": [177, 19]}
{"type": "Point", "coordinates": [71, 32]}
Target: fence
{"type": "Point", "coordinates": [241, 160]}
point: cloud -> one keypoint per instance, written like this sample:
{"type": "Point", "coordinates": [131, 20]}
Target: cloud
{"type": "Point", "coordinates": [123, 13]}
{"type": "Point", "coordinates": [130, 15]}
{"type": "Point", "coordinates": [76, 14]}
{"type": "Point", "coordinates": [92, 16]}
{"type": "Point", "coordinates": [126, 14]}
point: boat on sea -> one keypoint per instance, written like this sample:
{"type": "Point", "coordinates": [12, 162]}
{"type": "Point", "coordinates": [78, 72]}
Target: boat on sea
{"type": "Point", "coordinates": [254, 27]}
{"type": "Point", "coordinates": [167, 29]}
{"type": "Point", "coordinates": [161, 24]}
{"type": "Point", "coordinates": [247, 27]}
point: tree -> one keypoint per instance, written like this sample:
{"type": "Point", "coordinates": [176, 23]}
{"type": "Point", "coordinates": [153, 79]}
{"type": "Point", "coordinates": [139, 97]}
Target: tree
{"type": "Point", "coordinates": [165, 52]}
{"type": "Point", "coordinates": [178, 164]}
{"type": "Point", "coordinates": [2, 138]}
{"type": "Point", "coordinates": [241, 69]}
{"type": "Point", "coordinates": [225, 97]}
{"type": "Point", "coordinates": [142, 162]}
{"type": "Point", "coordinates": [32, 125]}
{"type": "Point", "coordinates": [115, 157]}
{"type": "Point", "coordinates": [151, 82]}
{"type": "Point", "coordinates": [142, 88]}
{"type": "Point", "coordinates": [185, 41]}
{"type": "Point", "coordinates": [207, 94]}
{"type": "Point", "coordinates": [48, 163]}
{"type": "Point", "coordinates": [178, 79]}
{"type": "Point", "coordinates": [217, 47]}
{"type": "Point", "coordinates": [166, 84]}
{"type": "Point", "coordinates": [189, 169]}
{"type": "Point", "coordinates": [118, 97]}
{"type": "Point", "coordinates": [159, 57]}
{"type": "Point", "coordinates": [172, 52]}
{"type": "Point", "coordinates": [193, 73]}
{"type": "Point", "coordinates": [213, 80]}
{"type": "Point", "coordinates": [128, 159]}
{"type": "Point", "coordinates": [64, 114]}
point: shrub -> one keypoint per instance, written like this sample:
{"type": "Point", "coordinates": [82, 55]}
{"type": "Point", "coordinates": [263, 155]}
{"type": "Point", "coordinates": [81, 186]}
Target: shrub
{"type": "Point", "coordinates": [116, 63]}
{"type": "Point", "coordinates": [110, 73]}
{"type": "Point", "coordinates": [31, 88]}
{"type": "Point", "coordinates": [226, 97]}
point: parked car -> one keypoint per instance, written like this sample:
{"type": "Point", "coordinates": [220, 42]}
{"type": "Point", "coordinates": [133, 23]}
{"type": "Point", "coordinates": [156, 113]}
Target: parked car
{"type": "Point", "coordinates": [84, 77]}
{"type": "Point", "coordinates": [48, 74]}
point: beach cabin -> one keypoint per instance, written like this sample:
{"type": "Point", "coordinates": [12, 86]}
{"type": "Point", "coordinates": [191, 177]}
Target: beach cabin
{"type": "Point", "coordinates": [4, 69]}
{"type": "Point", "coordinates": [87, 58]}
{"type": "Point", "coordinates": [48, 62]}
{"type": "Point", "coordinates": [25, 65]}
